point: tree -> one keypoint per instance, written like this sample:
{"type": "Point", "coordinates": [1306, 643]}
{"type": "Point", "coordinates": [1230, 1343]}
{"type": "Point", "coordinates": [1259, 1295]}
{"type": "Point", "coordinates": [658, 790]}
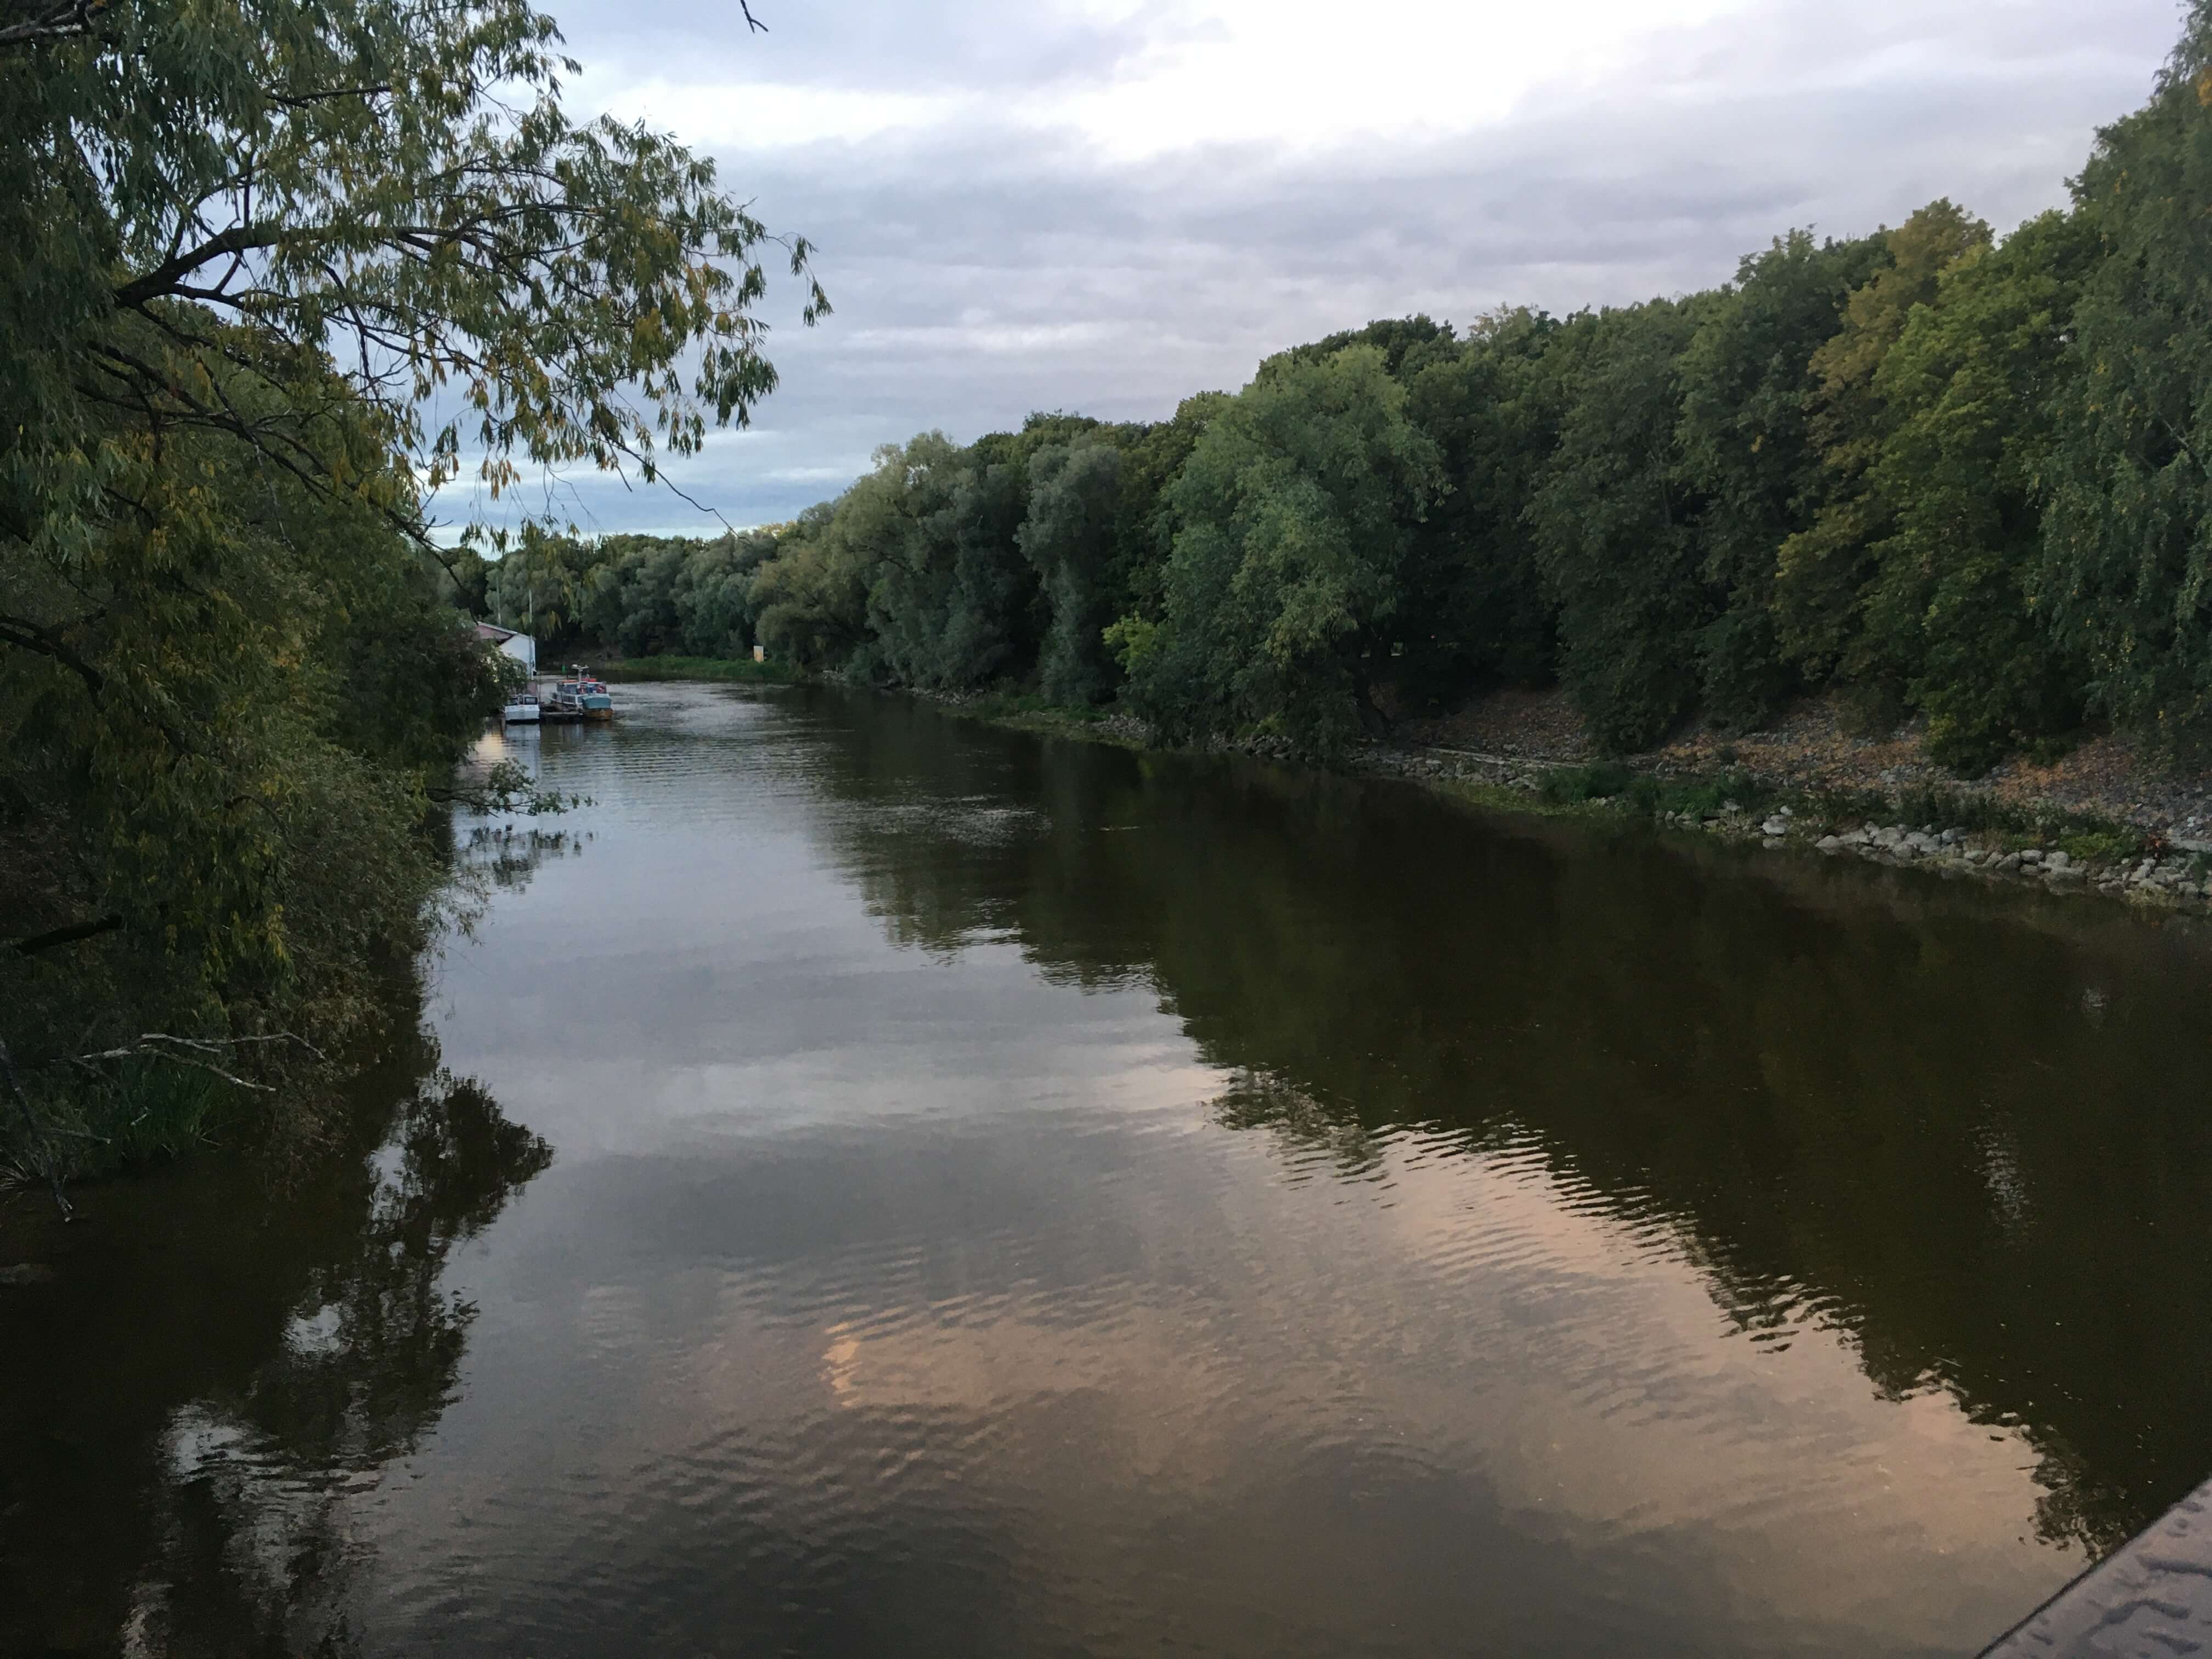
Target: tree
{"type": "Point", "coordinates": [1616, 521]}
{"type": "Point", "coordinates": [2126, 573]}
{"type": "Point", "coordinates": [1823, 566]}
{"type": "Point", "coordinates": [1294, 516]}
{"type": "Point", "coordinates": [1075, 491]}
{"type": "Point", "coordinates": [1746, 378]}
{"type": "Point", "coordinates": [268, 271]}
{"type": "Point", "coordinates": [1408, 345]}
{"type": "Point", "coordinates": [1970, 386]}
{"type": "Point", "coordinates": [810, 600]}
{"type": "Point", "coordinates": [1477, 608]}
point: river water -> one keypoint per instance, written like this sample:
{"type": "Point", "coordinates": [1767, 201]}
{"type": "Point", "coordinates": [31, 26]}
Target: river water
{"type": "Point", "coordinates": [879, 1184]}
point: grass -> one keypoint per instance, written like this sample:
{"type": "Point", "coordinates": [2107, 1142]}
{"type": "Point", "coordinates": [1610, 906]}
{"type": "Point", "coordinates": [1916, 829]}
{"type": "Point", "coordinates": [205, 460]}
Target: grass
{"type": "Point", "coordinates": [1027, 711]}
{"type": "Point", "coordinates": [742, 670]}
{"type": "Point", "coordinates": [142, 1112]}
{"type": "Point", "coordinates": [1610, 782]}
{"type": "Point", "coordinates": [1611, 788]}
{"type": "Point", "coordinates": [1029, 705]}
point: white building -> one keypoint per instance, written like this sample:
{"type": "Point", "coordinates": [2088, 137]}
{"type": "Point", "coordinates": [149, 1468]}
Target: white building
{"type": "Point", "coordinates": [520, 646]}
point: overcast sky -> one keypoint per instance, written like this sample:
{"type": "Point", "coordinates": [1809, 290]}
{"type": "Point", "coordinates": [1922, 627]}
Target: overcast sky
{"type": "Point", "coordinates": [1104, 206]}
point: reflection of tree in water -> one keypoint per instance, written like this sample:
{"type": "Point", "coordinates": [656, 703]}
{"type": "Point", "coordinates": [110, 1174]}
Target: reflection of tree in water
{"type": "Point", "coordinates": [1306, 1130]}
{"type": "Point", "coordinates": [367, 1362]}
{"type": "Point", "coordinates": [505, 856]}
{"type": "Point", "coordinates": [223, 1360]}
{"type": "Point", "coordinates": [370, 1365]}
{"type": "Point", "coordinates": [1970, 1146]}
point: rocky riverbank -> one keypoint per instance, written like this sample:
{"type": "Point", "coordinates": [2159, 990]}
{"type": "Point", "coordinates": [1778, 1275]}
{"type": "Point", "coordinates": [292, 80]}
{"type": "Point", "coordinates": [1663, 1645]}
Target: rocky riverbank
{"type": "Point", "coordinates": [1815, 747]}
{"type": "Point", "coordinates": [2060, 849]}
{"type": "Point", "coordinates": [2100, 821]}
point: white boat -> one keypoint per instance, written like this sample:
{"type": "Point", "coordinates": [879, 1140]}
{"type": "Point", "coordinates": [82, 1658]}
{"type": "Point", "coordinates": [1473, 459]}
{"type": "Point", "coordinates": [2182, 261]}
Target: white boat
{"type": "Point", "coordinates": [522, 709]}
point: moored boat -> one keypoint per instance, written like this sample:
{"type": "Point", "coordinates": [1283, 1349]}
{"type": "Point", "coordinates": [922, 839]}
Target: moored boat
{"type": "Point", "coordinates": [579, 696]}
{"type": "Point", "coordinates": [522, 708]}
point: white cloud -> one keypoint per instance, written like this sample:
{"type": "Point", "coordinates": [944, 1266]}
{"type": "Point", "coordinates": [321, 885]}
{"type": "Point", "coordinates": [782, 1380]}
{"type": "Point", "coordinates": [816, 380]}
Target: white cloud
{"type": "Point", "coordinates": [1107, 205]}
{"type": "Point", "coordinates": [758, 115]}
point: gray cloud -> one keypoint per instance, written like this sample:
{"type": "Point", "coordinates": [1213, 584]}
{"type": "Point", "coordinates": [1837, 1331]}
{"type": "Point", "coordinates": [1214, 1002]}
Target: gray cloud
{"type": "Point", "coordinates": [982, 267]}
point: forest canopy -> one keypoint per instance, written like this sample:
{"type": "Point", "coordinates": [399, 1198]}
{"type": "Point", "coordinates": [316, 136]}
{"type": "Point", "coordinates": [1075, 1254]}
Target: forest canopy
{"type": "Point", "coordinates": [1940, 473]}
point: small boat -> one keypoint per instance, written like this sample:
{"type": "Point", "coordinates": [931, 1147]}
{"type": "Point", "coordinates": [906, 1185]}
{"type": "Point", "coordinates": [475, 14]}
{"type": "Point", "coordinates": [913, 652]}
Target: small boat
{"type": "Point", "coordinates": [581, 697]}
{"type": "Point", "coordinates": [522, 708]}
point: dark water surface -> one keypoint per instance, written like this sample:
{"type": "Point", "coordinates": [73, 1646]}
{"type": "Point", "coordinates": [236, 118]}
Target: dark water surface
{"type": "Point", "coordinates": [937, 1192]}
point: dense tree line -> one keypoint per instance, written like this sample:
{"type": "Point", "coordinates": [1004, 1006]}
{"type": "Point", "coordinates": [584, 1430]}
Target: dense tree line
{"type": "Point", "coordinates": [270, 272]}
{"type": "Point", "coordinates": [1945, 474]}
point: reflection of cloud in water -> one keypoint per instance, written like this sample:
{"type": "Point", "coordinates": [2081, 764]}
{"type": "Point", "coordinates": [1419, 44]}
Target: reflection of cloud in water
{"type": "Point", "coordinates": [1611, 1229]}
{"type": "Point", "coordinates": [1847, 1092]}
{"type": "Point", "coordinates": [1489, 1323]}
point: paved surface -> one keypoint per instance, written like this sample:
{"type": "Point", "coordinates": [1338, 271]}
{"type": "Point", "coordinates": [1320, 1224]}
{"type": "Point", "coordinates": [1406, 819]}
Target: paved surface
{"type": "Point", "coordinates": [2153, 1600]}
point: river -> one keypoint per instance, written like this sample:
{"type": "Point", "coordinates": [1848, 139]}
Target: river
{"type": "Point", "coordinates": [881, 1184]}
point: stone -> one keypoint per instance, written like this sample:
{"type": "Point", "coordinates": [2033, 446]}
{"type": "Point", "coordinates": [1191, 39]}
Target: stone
{"type": "Point", "coordinates": [27, 1273]}
{"type": "Point", "coordinates": [2058, 860]}
{"type": "Point", "coordinates": [2031, 855]}
{"type": "Point", "coordinates": [1773, 842]}
{"type": "Point", "coordinates": [2010, 862]}
{"type": "Point", "coordinates": [1830, 843]}
{"type": "Point", "coordinates": [1777, 825]}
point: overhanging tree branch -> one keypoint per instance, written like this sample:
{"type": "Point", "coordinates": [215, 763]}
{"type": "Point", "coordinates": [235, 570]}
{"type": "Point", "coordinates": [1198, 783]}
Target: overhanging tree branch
{"type": "Point", "coordinates": [56, 938]}
{"type": "Point", "coordinates": [64, 21]}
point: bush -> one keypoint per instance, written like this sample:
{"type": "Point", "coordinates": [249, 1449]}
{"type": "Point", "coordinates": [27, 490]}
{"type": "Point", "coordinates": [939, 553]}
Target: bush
{"type": "Point", "coordinates": [1570, 785]}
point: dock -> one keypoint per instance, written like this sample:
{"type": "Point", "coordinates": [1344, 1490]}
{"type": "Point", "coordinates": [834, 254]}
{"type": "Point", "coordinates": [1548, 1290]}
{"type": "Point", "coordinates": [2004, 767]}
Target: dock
{"type": "Point", "coordinates": [2150, 1599]}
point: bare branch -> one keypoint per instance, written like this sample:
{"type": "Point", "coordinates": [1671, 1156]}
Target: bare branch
{"type": "Point", "coordinates": [58, 937]}
{"type": "Point", "coordinates": [164, 277]}
{"type": "Point", "coordinates": [29, 636]}
{"type": "Point", "coordinates": [62, 22]}
{"type": "Point", "coordinates": [160, 1045]}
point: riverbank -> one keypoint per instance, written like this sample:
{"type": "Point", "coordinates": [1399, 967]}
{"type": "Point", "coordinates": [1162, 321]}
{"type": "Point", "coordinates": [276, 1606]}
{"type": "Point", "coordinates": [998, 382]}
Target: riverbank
{"type": "Point", "coordinates": [2100, 819]}
{"type": "Point", "coordinates": [738, 670]}
{"type": "Point", "coordinates": [2040, 843]}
